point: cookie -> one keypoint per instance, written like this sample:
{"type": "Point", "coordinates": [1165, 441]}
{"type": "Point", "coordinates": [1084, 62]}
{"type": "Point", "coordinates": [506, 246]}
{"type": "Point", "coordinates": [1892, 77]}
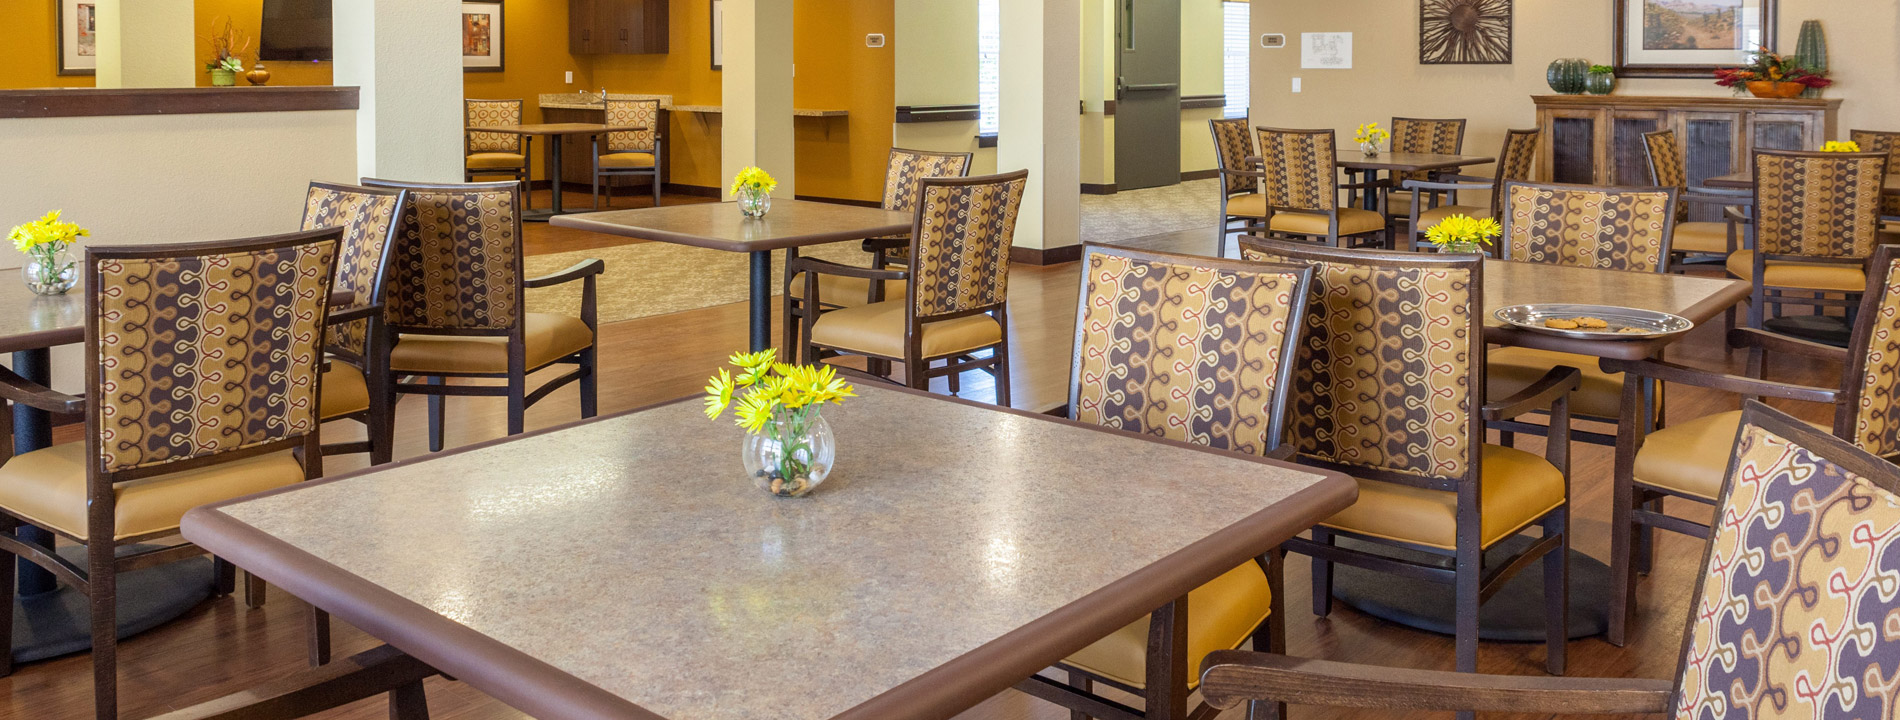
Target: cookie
{"type": "Point", "coordinates": [1590, 323]}
{"type": "Point", "coordinates": [1560, 323]}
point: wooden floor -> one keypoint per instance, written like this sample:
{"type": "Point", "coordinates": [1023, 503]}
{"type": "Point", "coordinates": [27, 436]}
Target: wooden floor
{"type": "Point", "coordinates": [221, 647]}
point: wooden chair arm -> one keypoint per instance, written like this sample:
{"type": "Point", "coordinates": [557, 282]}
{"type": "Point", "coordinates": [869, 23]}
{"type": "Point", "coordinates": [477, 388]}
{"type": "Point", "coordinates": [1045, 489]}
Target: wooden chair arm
{"type": "Point", "coordinates": [1541, 395]}
{"type": "Point", "coordinates": [1683, 375]}
{"type": "Point", "coordinates": [34, 395]}
{"type": "Point", "coordinates": [1738, 196]}
{"type": "Point", "coordinates": [1364, 185]}
{"type": "Point", "coordinates": [338, 317]}
{"type": "Point", "coordinates": [582, 269]}
{"type": "Point", "coordinates": [826, 267]}
{"type": "Point", "coordinates": [1434, 185]}
{"type": "Point", "coordinates": [1729, 213]}
{"type": "Point", "coordinates": [1234, 677]}
{"type": "Point", "coordinates": [1752, 338]}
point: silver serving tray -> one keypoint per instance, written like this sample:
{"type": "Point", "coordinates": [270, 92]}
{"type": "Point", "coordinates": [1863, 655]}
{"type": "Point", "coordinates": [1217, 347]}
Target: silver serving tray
{"type": "Point", "coordinates": [1646, 324]}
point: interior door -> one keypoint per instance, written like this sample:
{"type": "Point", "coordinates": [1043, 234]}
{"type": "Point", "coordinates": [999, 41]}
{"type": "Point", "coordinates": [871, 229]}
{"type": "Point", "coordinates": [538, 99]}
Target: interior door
{"type": "Point", "coordinates": [1147, 93]}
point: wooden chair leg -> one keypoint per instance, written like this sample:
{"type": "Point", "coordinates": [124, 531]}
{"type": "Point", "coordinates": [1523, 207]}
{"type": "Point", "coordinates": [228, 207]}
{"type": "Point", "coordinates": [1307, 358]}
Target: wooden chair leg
{"type": "Point", "coordinates": [1167, 670]}
{"type": "Point", "coordinates": [105, 629]}
{"type": "Point", "coordinates": [317, 635]}
{"type": "Point", "coordinates": [1623, 534]}
{"type": "Point", "coordinates": [955, 379]}
{"type": "Point", "coordinates": [590, 382]}
{"type": "Point", "coordinates": [1470, 572]}
{"type": "Point", "coordinates": [1001, 358]}
{"type": "Point", "coordinates": [1557, 593]}
{"type": "Point", "coordinates": [435, 417]}
{"type": "Point", "coordinates": [409, 702]}
{"type": "Point", "coordinates": [916, 374]}
{"type": "Point", "coordinates": [1271, 635]}
{"type": "Point", "coordinates": [1080, 682]}
{"type": "Point", "coordinates": [253, 591]}
{"type": "Point", "coordinates": [1322, 575]}
{"type": "Point", "coordinates": [8, 576]}
{"type": "Point", "coordinates": [656, 186]}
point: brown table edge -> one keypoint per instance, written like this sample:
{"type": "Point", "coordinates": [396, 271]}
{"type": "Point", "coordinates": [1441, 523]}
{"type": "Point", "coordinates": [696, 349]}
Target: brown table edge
{"type": "Point", "coordinates": [1364, 163]}
{"type": "Point", "coordinates": [389, 617]}
{"type": "Point", "coordinates": [579, 221]}
{"type": "Point", "coordinates": [1705, 310]}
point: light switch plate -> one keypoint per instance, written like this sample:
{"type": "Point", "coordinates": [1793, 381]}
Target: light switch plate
{"type": "Point", "coordinates": [875, 40]}
{"type": "Point", "coordinates": [1296, 84]}
{"type": "Point", "coordinates": [1272, 41]}
{"type": "Point", "coordinates": [570, 77]}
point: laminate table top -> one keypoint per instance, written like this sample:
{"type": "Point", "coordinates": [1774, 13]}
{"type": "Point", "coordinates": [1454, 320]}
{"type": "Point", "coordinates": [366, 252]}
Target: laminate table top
{"type": "Point", "coordinates": [1506, 283]}
{"type": "Point", "coordinates": [926, 574]}
{"type": "Point", "coordinates": [1746, 181]}
{"type": "Point", "coordinates": [34, 322]}
{"type": "Point", "coordinates": [543, 129]}
{"type": "Point", "coordinates": [720, 226]}
{"type": "Point", "coordinates": [1353, 159]}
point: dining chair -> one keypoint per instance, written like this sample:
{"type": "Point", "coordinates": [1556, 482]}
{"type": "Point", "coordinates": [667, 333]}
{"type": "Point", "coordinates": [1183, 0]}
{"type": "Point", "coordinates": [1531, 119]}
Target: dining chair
{"type": "Point", "coordinates": [1817, 220]}
{"type": "Point", "coordinates": [1789, 616]}
{"type": "Point", "coordinates": [1517, 160]}
{"type": "Point", "coordinates": [202, 385]}
{"type": "Point", "coordinates": [1427, 136]}
{"type": "Point", "coordinates": [356, 343]}
{"type": "Point", "coordinates": [1889, 143]}
{"type": "Point", "coordinates": [1190, 350]}
{"type": "Point", "coordinates": [955, 298]}
{"type": "Point", "coordinates": [1300, 186]}
{"type": "Point", "coordinates": [901, 173]}
{"type": "Point", "coordinates": [1668, 167]}
{"type": "Point", "coordinates": [1687, 460]}
{"type": "Point", "coordinates": [487, 154]}
{"type": "Point", "coordinates": [1386, 389]}
{"type": "Point", "coordinates": [1240, 198]}
{"type": "Point", "coordinates": [632, 153]}
{"type": "Point", "coordinates": [457, 308]}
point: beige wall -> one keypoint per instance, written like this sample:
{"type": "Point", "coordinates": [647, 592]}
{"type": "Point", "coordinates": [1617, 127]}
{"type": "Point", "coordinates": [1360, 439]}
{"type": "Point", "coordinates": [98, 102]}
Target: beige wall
{"type": "Point", "coordinates": [935, 44]}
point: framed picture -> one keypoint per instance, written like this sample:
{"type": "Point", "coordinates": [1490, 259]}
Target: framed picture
{"type": "Point", "coordinates": [482, 36]}
{"type": "Point", "coordinates": [1326, 51]}
{"type": "Point", "coordinates": [718, 34]}
{"type": "Point", "coordinates": [1464, 32]}
{"type": "Point", "coordinates": [78, 37]}
{"type": "Point", "coordinates": [1690, 38]}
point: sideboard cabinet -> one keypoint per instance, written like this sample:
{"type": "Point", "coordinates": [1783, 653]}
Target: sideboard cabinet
{"type": "Point", "coordinates": [1598, 139]}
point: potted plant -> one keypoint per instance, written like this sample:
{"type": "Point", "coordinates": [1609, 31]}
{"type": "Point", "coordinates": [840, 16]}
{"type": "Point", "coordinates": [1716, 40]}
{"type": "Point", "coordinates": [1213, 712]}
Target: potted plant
{"type": "Point", "coordinates": [753, 188]}
{"type": "Point", "coordinates": [49, 269]}
{"type": "Point", "coordinates": [1369, 136]}
{"type": "Point", "coordinates": [788, 446]}
{"type": "Point", "coordinates": [1463, 234]}
{"type": "Point", "coordinates": [227, 51]}
{"type": "Point", "coordinates": [1602, 80]}
{"type": "Point", "coordinates": [1770, 75]}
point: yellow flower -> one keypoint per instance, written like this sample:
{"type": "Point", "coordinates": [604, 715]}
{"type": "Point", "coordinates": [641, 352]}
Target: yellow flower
{"type": "Point", "coordinates": [753, 178]}
{"type": "Point", "coordinates": [1463, 229]}
{"type": "Point", "coordinates": [755, 411]}
{"type": "Point", "coordinates": [763, 386]}
{"type": "Point", "coordinates": [1843, 147]}
{"type": "Point", "coordinates": [46, 231]}
{"type": "Point", "coordinates": [718, 394]}
{"type": "Point", "coordinates": [1370, 133]}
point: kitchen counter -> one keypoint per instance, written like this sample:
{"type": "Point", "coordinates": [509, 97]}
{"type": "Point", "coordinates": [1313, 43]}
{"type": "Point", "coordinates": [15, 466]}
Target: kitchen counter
{"type": "Point", "coordinates": [591, 101]}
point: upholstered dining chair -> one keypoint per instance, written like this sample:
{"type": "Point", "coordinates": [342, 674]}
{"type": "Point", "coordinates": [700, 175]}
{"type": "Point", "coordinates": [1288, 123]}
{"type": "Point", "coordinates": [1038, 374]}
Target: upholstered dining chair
{"type": "Point", "coordinates": [1421, 135]}
{"type": "Point", "coordinates": [1817, 220]}
{"type": "Point", "coordinates": [1300, 183]}
{"type": "Point", "coordinates": [202, 385]}
{"type": "Point", "coordinates": [1240, 198]}
{"type": "Point", "coordinates": [633, 153]}
{"type": "Point", "coordinates": [1151, 359]}
{"type": "Point", "coordinates": [356, 372]}
{"type": "Point", "coordinates": [1790, 616]}
{"type": "Point", "coordinates": [901, 173]}
{"type": "Point", "coordinates": [1516, 162]}
{"type": "Point", "coordinates": [457, 304]}
{"type": "Point", "coordinates": [955, 297]}
{"type": "Point", "coordinates": [1687, 460]}
{"type": "Point", "coordinates": [1668, 167]}
{"type": "Point", "coordinates": [1889, 143]}
{"type": "Point", "coordinates": [488, 154]}
{"type": "Point", "coordinates": [1386, 388]}
{"type": "Point", "coordinates": [1608, 228]}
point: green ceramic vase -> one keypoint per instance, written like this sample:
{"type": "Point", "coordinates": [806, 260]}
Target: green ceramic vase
{"type": "Point", "coordinates": [1811, 51]}
{"type": "Point", "coordinates": [1568, 76]}
{"type": "Point", "coordinates": [223, 78]}
{"type": "Point", "coordinates": [1600, 83]}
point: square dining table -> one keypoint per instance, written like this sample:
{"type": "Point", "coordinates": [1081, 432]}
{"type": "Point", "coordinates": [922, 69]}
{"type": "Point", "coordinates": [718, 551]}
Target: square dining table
{"type": "Point", "coordinates": [625, 567]}
{"type": "Point", "coordinates": [1355, 162]}
{"type": "Point", "coordinates": [553, 132]}
{"type": "Point", "coordinates": [791, 224]}
{"type": "Point", "coordinates": [1507, 283]}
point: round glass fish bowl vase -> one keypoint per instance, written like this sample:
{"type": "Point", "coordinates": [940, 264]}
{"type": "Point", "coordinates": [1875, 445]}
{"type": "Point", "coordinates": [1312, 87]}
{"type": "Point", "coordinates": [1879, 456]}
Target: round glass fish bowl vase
{"type": "Point", "coordinates": [754, 203]}
{"type": "Point", "coordinates": [792, 454]}
{"type": "Point", "coordinates": [50, 270]}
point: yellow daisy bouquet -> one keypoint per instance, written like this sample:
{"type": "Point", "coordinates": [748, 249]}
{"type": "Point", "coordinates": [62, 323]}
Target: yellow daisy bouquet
{"type": "Point", "coordinates": [1841, 147]}
{"type": "Point", "coordinates": [1370, 136]}
{"type": "Point", "coordinates": [48, 270]}
{"type": "Point", "coordinates": [753, 189]}
{"type": "Point", "coordinates": [788, 444]}
{"type": "Point", "coordinates": [1463, 233]}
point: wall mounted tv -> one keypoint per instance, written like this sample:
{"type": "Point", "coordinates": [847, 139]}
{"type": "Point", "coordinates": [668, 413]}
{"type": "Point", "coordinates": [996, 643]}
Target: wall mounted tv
{"type": "Point", "coordinates": [295, 30]}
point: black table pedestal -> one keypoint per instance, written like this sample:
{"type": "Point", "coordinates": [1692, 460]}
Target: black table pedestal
{"type": "Point", "coordinates": [1514, 614]}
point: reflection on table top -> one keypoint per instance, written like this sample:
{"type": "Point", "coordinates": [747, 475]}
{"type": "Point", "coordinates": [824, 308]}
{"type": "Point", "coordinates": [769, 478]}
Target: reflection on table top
{"type": "Point", "coordinates": [720, 226]}
{"type": "Point", "coordinates": [32, 322]}
{"type": "Point", "coordinates": [1518, 283]}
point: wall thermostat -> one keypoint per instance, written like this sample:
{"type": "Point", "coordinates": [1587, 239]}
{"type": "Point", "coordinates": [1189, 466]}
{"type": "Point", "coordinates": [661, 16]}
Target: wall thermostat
{"type": "Point", "coordinates": [874, 40]}
{"type": "Point", "coordinates": [1273, 40]}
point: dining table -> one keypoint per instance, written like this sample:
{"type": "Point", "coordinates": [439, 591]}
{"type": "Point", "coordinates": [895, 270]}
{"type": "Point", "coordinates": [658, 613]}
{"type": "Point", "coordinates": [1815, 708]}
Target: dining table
{"type": "Point", "coordinates": [789, 224]}
{"type": "Point", "coordinates": [1362, 167]}
{"type": "Point", "coordinates": [626, 566]}
{"type": "Point", "coordinates": [1746, 181]}
{"type": "Point", "coordinates": [553, 132]}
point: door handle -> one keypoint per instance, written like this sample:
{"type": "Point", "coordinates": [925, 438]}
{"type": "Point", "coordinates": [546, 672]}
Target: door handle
{"type": "Point", "coordinates": [1151, 87]}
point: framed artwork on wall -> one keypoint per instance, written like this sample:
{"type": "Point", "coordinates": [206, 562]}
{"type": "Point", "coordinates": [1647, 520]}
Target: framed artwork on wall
{"type": "Point", "coordinates": [1464, 32]}
{"type": "Point", "coordinates": [78, 37]}
{"type": "Point", "coordinates": [718, 34]}
{"type": "Point", "coordinates": [482, 36]}
{"type": "Point", "coordinates": [1689, 38]}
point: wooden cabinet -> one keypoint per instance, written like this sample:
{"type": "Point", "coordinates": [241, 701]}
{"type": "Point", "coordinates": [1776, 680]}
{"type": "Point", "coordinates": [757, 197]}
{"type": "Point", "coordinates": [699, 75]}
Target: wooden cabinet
{"type": "Point", "coordinates": [599, 27]}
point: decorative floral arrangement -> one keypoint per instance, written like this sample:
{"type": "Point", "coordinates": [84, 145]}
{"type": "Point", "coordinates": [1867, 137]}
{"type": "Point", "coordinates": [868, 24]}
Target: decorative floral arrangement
{"type": "Point", "coordinates": [1841, 147]}
{"type": "Point", "coordinates": [1463, 233]}
{"type": "Point", "coordinates": [1371, 134]}
{"type": "Point", "coordinates": [1602, 70]}
{"type": "Point", "coordinates": [227, 49]}
{"type": "Point", "coordinates": [789, 447]}
{"type": "Point", "coordinates": [1767, 66]}
{"type": "Point", "coordinates": [48, 270]}
{"type": "Point", "coordinates": [754, 180]}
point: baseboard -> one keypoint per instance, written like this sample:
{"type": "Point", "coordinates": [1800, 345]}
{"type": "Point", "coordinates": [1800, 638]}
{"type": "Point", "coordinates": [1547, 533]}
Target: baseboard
{"type": "Point", "coordinates": [1098, 188]}
{"type": "Point", "coordinates": [1038, 256]}
{"type": "Point", "coordinates": [839, 201]}
{"type": "Point", "coordinates": [1200, 175]}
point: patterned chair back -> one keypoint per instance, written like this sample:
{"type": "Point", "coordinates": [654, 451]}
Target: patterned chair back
{"type": "Point", "coordinates": [200, 349]}
{"type": "Point", "coordinates": [1436, 137]}
{"type": "Point", "coordinates": [456, 267]}
{"type": "Point", "coordinates": [1889, 143]}
{"type": "Point", "coordinates": [959, 254]}
{"type": "Point", "coordinates": [1300, 167]}
{"type": "Point", "coordinates": [1666, 166]}
{"type": "Point", "coordinates": [1869, 412]}
{"type": "Point", "coordinates": [368, 218]}
{"type": "Point", "coordinates": [1517, 160]}
{"type": "Point", "coordinates": [1232, 146]}
{"type": "Point", "coordinates": [1187, 348]}
{"type": "Point", "coordinates": [644, 114]}
{"type": "Point", "coordinates": [489, 113]}
{"type": "Point", "coordinates": [1392, 355]}
{"type": "Point", "coordinates": [906, 167]}
{"type": "Point", "coordinates": [1794, 613]}
{"type": "Point", "coordinates": [1818, 205]}
{"type": "Point", "coordinates": [1584, 226]}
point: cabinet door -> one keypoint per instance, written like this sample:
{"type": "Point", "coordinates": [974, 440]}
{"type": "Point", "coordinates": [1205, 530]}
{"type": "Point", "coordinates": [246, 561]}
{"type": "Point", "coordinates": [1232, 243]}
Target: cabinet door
{"type": "Point", "coordinates": [1782, 131]}
{"type": "Point", "coordinates": [1629, 156]}
{"type": "Point", "coordinates": [1712, 146]}
{"type": "Point", "coordinates": [1575, 145]}
{"type": "Point", "coordinates": [582, 32]}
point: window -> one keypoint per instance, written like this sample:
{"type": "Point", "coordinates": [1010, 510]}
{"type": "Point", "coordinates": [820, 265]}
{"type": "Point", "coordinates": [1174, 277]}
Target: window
{"type": "Point", "coordinates": [989, 51]}
{"type": "Point", "coordinates": [1235, 45]}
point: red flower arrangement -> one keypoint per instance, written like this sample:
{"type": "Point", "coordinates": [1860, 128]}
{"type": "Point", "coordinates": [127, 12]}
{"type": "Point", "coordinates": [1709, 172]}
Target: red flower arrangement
{"type": "Point", "coordinates": [1771, 67]}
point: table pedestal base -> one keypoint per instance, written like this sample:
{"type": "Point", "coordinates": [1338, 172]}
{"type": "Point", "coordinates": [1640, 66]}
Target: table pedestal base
{"type": "Point", "coordinates": [1515, 614]}
{"type": "Point", "coordinates": [57, 623]}
{"type": "Point", "coordinates": [1824, 329]}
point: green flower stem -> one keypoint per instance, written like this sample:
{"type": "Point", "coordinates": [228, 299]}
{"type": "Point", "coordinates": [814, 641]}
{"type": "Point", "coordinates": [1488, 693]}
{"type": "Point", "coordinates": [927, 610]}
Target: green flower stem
{"type": "Point", "coordinates": [49, 269]}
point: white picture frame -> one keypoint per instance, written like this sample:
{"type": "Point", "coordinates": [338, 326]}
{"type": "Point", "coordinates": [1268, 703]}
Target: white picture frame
{"type": "Point", "coordinates": [718, 34]}
{"type": "Point", "coordinates": [78, 34]}
{"type": "Point", "coordinates": [1326, 51]}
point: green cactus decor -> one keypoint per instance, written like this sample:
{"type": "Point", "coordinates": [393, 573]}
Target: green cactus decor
{"type": "Point", "coordinates": [1569, 76]}
{"type": "Point", "coordinates": [1811, 52]}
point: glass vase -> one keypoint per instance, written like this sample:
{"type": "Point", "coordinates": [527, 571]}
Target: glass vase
{"type": "Point", "coordinates": [1463, 247]}
{"type": "Point", "coordinates": [754, 203]}
{"type": "Point", "coordinates": [1371, 149]}
{"type": "Point", "coordinates": [50, 270]}
{"type": "Point", "coordinates": [791, 455]}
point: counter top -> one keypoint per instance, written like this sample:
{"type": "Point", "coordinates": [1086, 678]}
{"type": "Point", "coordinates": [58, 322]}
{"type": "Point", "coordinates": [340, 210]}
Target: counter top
{"type": "Point", "coordinates": [715, 109]}
{"type": "Point", "coordinates": [591, 101]}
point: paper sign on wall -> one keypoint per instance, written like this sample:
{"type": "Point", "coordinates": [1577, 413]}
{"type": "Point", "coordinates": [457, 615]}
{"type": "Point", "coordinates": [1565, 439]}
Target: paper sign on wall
{"type": "Point", "coordinates": [1326, 51]}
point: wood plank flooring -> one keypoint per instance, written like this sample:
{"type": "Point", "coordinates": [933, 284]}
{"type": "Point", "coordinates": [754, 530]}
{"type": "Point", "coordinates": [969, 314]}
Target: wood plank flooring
{"type": "Point", "coordinates": [221, 647]}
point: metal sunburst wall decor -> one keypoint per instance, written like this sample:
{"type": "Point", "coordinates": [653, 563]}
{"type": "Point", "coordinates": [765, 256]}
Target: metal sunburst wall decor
{"type": "Point", "coordinates": [1464, 32]}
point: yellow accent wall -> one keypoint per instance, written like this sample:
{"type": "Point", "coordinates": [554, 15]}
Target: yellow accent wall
{"type": "Point", "coordinates": [686, 73]}
{"type": "Point", "coordinates": [844, 157]}
{"type": "Point", "coordinates": [247, 17]}
{"type": "Point", "coordinates": [29, 57]}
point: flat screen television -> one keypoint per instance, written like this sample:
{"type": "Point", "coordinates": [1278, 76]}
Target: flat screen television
{"type": "Point", "coordinates": [295, 30]}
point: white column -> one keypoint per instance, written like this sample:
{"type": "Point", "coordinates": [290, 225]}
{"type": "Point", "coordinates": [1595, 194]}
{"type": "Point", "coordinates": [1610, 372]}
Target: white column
{"type": "Point", "coordinates": [1041, 86]}
{"type": "Point", "coordinates": [756, 92]}
{"type": "Point", "coordinates": [159, 51]}
{"type": "Point", "coordinates": [406, 58]}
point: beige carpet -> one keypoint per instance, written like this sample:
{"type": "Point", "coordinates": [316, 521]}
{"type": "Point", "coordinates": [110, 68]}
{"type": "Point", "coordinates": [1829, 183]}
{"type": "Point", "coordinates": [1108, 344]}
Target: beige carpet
{"type": "Point", "coordinates": [1152, 211]}
{"type": "Point", "coordinates": [656, 278]}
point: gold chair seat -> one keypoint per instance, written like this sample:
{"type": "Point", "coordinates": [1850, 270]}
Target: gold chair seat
{"type": "Point", "coordinates": [1221, 616]}
{"type": "Point", "coordinates": [1702, 237]}
{"type": "Point", "coordinates": [1251, 205]}
{"type": "Point", "coordinates": [1805, 276]}
{"type": "Point", "coordinates": [1692, 457]}
{"type": "Point", "coordinates": [1352, 221]}
{"type": "Point", "coordinates": [344, 391]}
{"type": "Point", "coordinates": [1510, 369]}
{"type": "Point", "coordinates": [624, 160]}
{"type": "Point", "coordinates": [846, 291]}
{"type": "Point", "coordinates": [878, 329]}
{"type": "Point", "coordinates": [548, 338]}
{"type": "Point", "coordinates": [48, 488]}
{"type": "Point", "coordinates": [1428, 218]}
{"type": "Point", "coordinates": [496, 161]}
{"type": "Point", "coordinates": [1519, 488]}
